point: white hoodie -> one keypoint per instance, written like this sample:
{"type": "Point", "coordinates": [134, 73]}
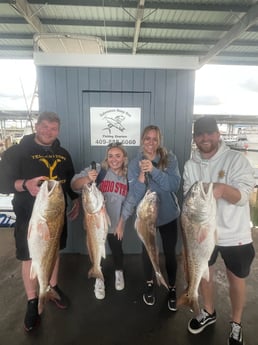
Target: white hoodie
{"type": "Point", "coordinates": [232, 168]}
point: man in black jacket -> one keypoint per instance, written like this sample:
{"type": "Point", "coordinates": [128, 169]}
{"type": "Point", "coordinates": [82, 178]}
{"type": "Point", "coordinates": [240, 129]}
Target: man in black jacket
{"type": "Point", "coordinates": [24, 166]}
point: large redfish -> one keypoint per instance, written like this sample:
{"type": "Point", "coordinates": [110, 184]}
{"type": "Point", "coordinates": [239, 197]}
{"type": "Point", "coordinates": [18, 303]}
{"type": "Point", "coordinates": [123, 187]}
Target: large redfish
{"type": "Point", "coordinates": [198, 219]}
{"type": "Point", "coordinates": [145, 226]}
{"type": "Point", "coordinates": [96, 221]}
{"type": "Point", "coordinates": [45, 228]}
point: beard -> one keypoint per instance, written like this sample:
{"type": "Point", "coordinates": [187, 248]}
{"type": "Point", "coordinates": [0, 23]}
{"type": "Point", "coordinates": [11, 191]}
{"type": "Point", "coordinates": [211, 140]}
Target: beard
{"type": "Point", "coordinates": [207, 146]}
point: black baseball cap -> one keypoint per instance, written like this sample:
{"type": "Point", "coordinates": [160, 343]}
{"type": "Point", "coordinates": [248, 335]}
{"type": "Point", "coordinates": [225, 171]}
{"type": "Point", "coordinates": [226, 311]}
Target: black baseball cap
{"type": "Point", "coordinates": [205, 124]}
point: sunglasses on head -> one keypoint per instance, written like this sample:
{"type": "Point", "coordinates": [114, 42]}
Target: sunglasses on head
{"type": "Point", "coordinates": [116, 144]}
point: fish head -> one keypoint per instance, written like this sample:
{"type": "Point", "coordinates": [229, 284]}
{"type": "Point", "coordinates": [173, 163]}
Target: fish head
{"type": "Point", "coordinates": [147, 209]}
{"type": "Point", "coordinates": [50, 199]}
{"type": "Point", "coordinates": [55, 193]}
{"type": "Point", "coordinates": [92, 198]}
{"type": "Point", "coordinates": [199, 191]}
{"type": "Point", "coordinates": [199, 201]}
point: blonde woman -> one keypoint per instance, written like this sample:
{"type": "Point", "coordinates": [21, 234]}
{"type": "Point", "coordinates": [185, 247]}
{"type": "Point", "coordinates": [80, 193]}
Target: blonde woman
{"type": "Point", "coordinates": [111, 178]}
{"type": "Point", "coordinates": [156, 169]}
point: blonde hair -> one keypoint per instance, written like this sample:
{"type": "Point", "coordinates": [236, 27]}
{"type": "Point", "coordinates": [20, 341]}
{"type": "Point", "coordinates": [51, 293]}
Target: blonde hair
{"type": "Point", "coordinates": [104, 164]}
{"type": "Point", "coordinates": [161, 150]}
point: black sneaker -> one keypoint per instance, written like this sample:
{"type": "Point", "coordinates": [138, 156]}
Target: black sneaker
{"type": "Point", "coordinates": [236, 334]}
{"type": "Point", "coordinates": [203, 320]}
{"type": "Point", "coordinates": [148, 296]}
{"type": "Point", "coordinates": [32, 318]}
{"type": "Point", "coordinates": [57, 296]}
{"type": "Point", "coordinates": [172, 299]}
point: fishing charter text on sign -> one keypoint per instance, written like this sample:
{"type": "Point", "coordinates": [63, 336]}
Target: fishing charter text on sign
{"type": "Point", "coordinates": [110, 125]}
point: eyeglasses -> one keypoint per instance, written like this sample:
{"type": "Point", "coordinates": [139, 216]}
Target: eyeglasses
{"type": "Point", "coordinates": [116, 144]}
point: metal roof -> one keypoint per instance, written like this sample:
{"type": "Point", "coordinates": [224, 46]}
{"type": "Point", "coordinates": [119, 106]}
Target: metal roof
{"type": "Point", "coordinates": [214, 31]}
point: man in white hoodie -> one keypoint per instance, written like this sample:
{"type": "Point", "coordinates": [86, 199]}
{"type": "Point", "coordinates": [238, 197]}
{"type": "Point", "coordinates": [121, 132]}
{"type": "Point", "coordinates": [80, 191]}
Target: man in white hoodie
{"type": "Point", "coordinates": [233, 179]}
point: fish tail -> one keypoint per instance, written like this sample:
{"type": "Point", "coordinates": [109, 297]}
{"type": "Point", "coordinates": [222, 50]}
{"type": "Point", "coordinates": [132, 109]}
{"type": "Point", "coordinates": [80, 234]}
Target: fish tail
{"type": "Point", "coordinates": [33, 272]}
{"type": "Point", "coordinates": [195, 307]}
{"type": "Point", "coordinates": [183, 300]}
{"type": "Point", "coordinates": [95, 273]}
{"type": "Point", "coordinates": [103, 252]}
{"type": "Point", "coordinates": [190, 302]}
{"type": "Point", "coordinates": [42, 301]}
{"type": "Point", "coordinates": [161, 280]}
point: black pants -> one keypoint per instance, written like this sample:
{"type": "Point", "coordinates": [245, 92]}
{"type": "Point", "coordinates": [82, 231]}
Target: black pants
{"type": "Point", "coordinates": [117, 251]}
{"type": "Point", "coordinates": [168, 233]}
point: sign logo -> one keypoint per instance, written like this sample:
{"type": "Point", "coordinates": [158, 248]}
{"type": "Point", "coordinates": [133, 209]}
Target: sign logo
{"type": "Point", "coordinates": [110, 125]}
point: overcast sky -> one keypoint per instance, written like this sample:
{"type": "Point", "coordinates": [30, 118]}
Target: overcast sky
{"type": "Point", "coordinates": [18, 77]}
{"type": "Point", "coordinates": [218, 89]}
{"type": "Point", "coordinates": [226, 90]}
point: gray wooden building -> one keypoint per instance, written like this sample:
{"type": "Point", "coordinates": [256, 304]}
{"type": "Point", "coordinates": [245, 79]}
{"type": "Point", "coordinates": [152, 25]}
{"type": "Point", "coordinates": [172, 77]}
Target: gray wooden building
{"type": "Point", "coordinates": [165, 97]}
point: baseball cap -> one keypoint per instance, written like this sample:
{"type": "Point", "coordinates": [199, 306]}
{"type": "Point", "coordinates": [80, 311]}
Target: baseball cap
{"type": "Point", "coordinates": [205, 124]}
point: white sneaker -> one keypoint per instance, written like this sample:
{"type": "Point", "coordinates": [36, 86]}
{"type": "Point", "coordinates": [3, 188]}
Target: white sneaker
{"type": "Point", "coordinates": [119, 282]}
{"type": "Point", "coordinates": [99, 289]}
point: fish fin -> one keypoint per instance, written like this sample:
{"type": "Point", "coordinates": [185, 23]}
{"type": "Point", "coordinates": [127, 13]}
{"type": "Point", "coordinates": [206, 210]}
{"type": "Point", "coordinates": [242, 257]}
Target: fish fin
{"type": "Point", "coordinates": [33, 272]}
{"type": "Point", "coordinates": [161, 280]}
{"type": "Point", "coordinates": [51, 294]}
{"type": "Point", "coordinates": [29, 230]}
{"type": "Point", "coordinates": [183, 299]}
{"type": "Point", "coordinates": [43, 298]}
{"type": "Point", "coordinates": [43, 230]}
{"type": "Point", "coordinates": [206, 274]}
{"type": "Point", "coordinates": [89, 249]}
{"type": "Point", "coordinates": [103, 212]}
{"type": "Point", "coordinates": [192, 303]}
{"type": "Point", "coordinates": [195, 306]}
{"type": "Point", "coordinates": [202, 234]}
{"type": "Point", "coordinates": [103, 252]}
{"type": "Point", "coordinates": [43, 293]}
{"type": "Point", "coordinates": [107, 217]}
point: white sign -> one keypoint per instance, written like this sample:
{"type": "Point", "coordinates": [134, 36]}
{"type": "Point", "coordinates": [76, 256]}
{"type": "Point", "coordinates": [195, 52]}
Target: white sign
{"type": "Point", "coordinates": [110, 125]}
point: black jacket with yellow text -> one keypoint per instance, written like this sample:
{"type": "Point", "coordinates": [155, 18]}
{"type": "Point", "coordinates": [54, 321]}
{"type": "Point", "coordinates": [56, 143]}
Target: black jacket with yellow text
{"type": "Point", "coordinates": [27, 160]}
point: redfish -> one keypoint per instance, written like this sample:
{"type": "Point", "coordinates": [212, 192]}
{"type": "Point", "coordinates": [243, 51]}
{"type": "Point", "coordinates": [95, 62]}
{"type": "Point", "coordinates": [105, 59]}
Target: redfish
{"type": "Point", "coordinates": [45, 228]}
{"type": "Point", "coordinates": [198, 219]}
{"type": "Point", "coordinates": [96, 222]}
{"type": "Point", "coordinates": [145, 226]}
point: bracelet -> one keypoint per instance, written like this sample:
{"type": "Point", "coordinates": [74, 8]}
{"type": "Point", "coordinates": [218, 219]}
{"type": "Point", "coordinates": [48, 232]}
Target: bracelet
{"type": "Point", "coordinates": [24, 185]}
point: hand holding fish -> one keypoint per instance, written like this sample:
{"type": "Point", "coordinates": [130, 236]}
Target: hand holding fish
{"type": "Point", "coordinates": [228, 193]}
{"type": "Point", "coordinates": [146, 166]}
{"type": "Point", "coordinates": [92, 174]}
{"type": "Point", "coordinates": [33, 185]}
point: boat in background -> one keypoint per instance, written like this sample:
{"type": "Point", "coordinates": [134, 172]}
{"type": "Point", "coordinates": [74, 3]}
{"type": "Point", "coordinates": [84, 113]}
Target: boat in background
{"type": "Point", "coordinates": [7, 216]}
{"type": "Point", "coordinates": [237, 142]}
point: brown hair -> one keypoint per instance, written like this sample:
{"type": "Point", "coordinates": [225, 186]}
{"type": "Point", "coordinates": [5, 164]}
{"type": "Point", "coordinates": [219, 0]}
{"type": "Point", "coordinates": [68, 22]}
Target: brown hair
{"type": "Point", "coordinates": [48, 116]}
{"type": "Point", "coordinates": [161, 150]}
{"type": "Point", "coordinates": [104, 164]}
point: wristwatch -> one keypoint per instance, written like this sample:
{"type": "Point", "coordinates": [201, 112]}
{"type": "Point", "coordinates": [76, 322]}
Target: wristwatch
{"type": "Point", "coordinates": [24, 185]}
